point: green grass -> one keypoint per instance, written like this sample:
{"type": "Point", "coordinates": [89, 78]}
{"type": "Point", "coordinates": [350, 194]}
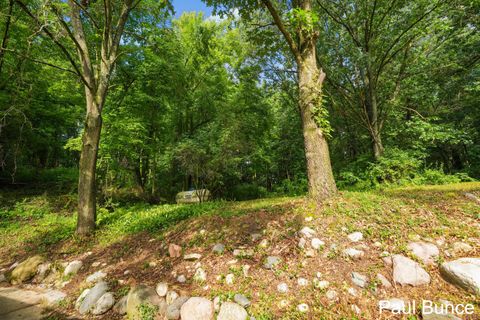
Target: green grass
{"type": "Point", "coordinates": [34, 223]}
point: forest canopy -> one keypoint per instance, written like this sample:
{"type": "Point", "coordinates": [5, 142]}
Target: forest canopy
{"type": "Point", "coordinates": [213, 101]}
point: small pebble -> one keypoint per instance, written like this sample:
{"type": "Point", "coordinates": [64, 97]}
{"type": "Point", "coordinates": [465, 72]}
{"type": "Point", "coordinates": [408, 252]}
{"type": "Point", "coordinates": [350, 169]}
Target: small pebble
{"type": "Point", "coordinates": [303, 307]}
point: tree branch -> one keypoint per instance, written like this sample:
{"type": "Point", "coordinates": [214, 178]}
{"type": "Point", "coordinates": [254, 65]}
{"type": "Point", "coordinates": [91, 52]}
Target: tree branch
{"type": "Point", "coordinates": [52, 37]}
{"type": "Point", "coordinates": [278, 21]}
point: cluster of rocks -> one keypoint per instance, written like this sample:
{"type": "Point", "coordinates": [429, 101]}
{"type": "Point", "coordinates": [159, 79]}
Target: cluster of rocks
{"type": "Point", "coordinates": [168, 304]}
{"type": "Point", "coordinates": [97, 297]}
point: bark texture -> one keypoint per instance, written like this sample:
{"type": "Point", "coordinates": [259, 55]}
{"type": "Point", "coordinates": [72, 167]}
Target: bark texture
{"type": "Point", "coordinates": [321, 183]}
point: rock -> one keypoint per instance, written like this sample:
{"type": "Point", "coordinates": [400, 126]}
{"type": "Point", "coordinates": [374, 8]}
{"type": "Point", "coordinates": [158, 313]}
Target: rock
{"type": "Point", "coordinates": [218, 248]}
{"type": "Point", "coordinates": [171, 296]}
{"type": "Point", "coordinates": [192, 256]}
{"type": "Point", "coordinates": [241, 300]}
{"type": "Point", "coordinates": [387, 260]}
{"type": "Point", "coordinates": [359, 279]}
{"type": "Point", "coordinates": [263, 243]}
{"type": "Point", "coordinates": [152, 264]}
{"type": "Point", "coordinates": [395, 305]}
{"type": "Point", "coordinates": [52, 297]}
{"type": "Point", "coordinates": [89, 297]}
{"type": "Point", "coordinates": [42, 272]}
{"type": "Point", "coordinates": [72, 268]}
{"type": "Point", "coordinates": [323, 284]}
{"type": "Point", "coordinates": [472, 197]}
{"type": "Point", "coordinates": [282, 287]}
{"type": "Point", "coordinates": [96, 264]}
{"type": "Point", "coordinates": [355, 236]}
{"type": "Point", "coordinates": [173, 310]}
{"type": "Point", "coordinates": [427, 252]}
{"type": "Point", "coordinates": [301, 243]}
{"type": "Point", "coordinates": [307, 232]}
{"type": "Point", "coordinates": [302, 282]}
{"type": "Point", "coordinates": [353, 253]}
{"type": "Point", "coordinates": [356, 309]}
{"type": "Point", "coordinates": [352, 291]}
{"type": "Point", "coordinates": [96, 276]}
{"type": "Point", "coordinates": [243, 253]}
{"type": "Point", "coordinates": [317, 243]}
{"type": "Point", "coordinates": [197, 309]}
{"type": "Point", "coordinates": [303, 307]}
{"type": "Point", "coordinates": [200, 275]}
{"type": "Point", "coordinates": [174, 251]}
{"type": "Point", "coordinates": [181, 278]}
{"type": "Point", "coordinates": [271, 262]}
{"type": "Point", "coordinates": [2, 278]}
{"type": "Point", "coordinates": [331, 295]}
{"type": "Point", "coordinates": [141, 295]}
{"type": "Point", "coordinates": [463, 273]}
{"type": "Point", "coordinates": [255, 236]}
{"type": "Point", "coordinates": [232, 311]}
{"type": "Point", "coordinates": [461, 247]}
{"type": "Point", "coordinates": [104, 304]}
{"type": "Point", "coordinates": [245, 269]}
{"type": "Point", "coordinates": [283, 304]}
{"type": "Point", "coordinates": [383, 281]}
{"type": "Point", "coordinates": [26, 270]}
{"type": "Point", "coordinates": [309, 253]}
{"type": "Point", "coordinates": [408, 272]}
{"type": "Point", "coordinates": [162, 289]}
{"type": "Point", "coordinates": [229, 278]}
{"type": "Point", "coordinates": [121, 306]}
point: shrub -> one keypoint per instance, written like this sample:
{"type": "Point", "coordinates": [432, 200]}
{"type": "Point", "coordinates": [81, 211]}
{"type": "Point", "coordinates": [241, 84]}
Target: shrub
{"type": "Point", "coordinates": [247, 191]}
{"type": "Point", "coordinates": [290, 187]}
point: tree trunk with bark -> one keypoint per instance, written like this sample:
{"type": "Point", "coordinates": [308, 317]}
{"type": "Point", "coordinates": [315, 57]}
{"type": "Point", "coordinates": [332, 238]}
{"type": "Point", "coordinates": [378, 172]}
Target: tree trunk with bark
{"type": "Point", "coordinates": [87, 171]}
{"type": "Point", "coordinates": [321, 183]}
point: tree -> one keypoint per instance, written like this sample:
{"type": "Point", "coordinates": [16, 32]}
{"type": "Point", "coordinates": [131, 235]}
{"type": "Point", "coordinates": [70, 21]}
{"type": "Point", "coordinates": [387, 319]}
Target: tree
{"type": "Point", "coordinates": [368, 53]}
{"type": "Point", "coordinates": [94, 30]}
{"type": "Point", "coordinates": [301, 33]}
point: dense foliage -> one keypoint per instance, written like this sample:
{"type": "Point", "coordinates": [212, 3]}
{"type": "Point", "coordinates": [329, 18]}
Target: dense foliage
{"type": "Point", "coordinates": [201, 102]}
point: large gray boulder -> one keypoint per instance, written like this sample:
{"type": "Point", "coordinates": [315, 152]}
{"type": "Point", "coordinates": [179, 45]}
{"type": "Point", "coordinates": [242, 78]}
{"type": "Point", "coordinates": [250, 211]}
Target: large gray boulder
{"type": "Point", "coordinates": [408, 272]}
{"type": "Point", "coordinates": [427, 252]}
{"type": "Point", "coordinates": [89, 297]}
{"type": "Point", "coordinates": [104, 304]}
{"type": "Point", "coordinates": [197, 308]}
{"type": "Point", "coordinates": [232, 311]}
{"type": "Point", "coordinates": [173, 310]}
{"type": "Point", "coordinates": [463, 273]}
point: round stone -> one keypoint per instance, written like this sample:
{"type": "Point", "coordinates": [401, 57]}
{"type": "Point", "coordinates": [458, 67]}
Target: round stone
{"type": "Point", "coordinates": [303, 307]}
{"type": "Point", "coordinates": [197, 308]}
{"type": "Point", "coordinates": [162, 289]}
{"type": "Point", "coordinates": [282, 287]}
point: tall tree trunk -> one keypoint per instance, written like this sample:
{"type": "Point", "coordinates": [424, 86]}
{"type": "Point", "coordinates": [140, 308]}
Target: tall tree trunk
{"type": "Point", "coordinates": [88, 166]}
{"type": "Point", "coordinates": [374, 122]}
{"type": "Point", "coordinates": [321, 183]}
{"type": "Point", "coordinates": [372, 111]}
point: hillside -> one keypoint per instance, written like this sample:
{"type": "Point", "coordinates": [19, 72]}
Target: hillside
{"type": "Point", "coordinates": [132, 247]}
